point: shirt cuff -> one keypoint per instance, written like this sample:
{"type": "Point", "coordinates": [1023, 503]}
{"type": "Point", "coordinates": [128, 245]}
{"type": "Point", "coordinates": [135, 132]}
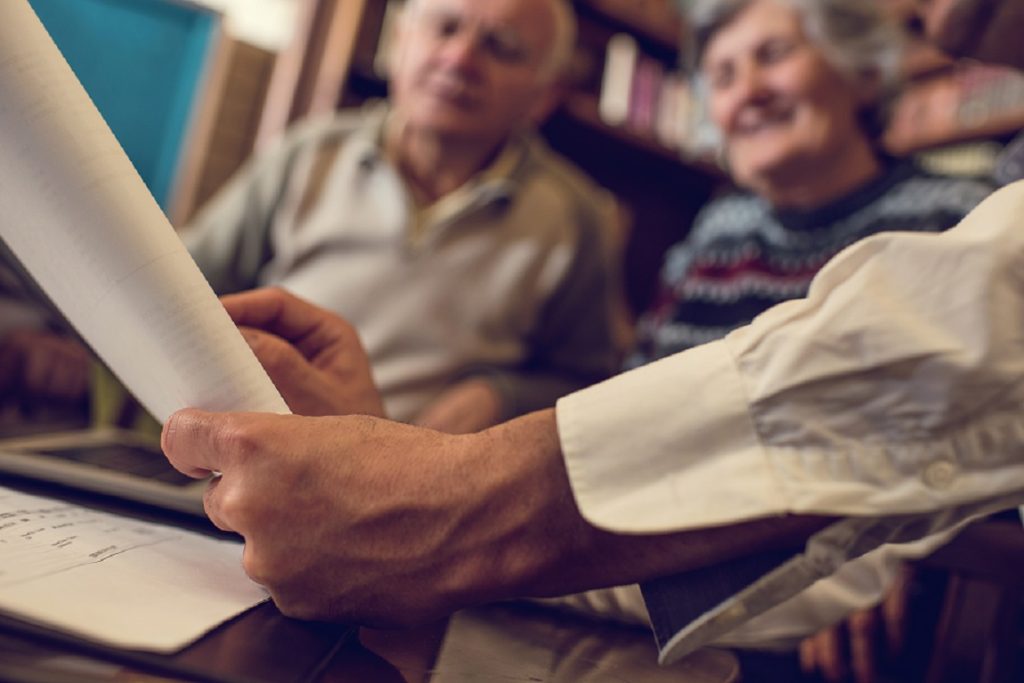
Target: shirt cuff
{"type": "Point", "coordinates": [687, 415]}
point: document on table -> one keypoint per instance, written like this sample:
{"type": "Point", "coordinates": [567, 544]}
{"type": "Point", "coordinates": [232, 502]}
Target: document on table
{"type": "Point", "coordinates": [115, 580]}
{"type": "Point", "coordinates": [79, 218]}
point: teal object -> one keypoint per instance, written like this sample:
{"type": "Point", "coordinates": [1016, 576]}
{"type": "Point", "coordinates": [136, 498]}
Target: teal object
{"type": "Point", "coordinates": [142, 63]}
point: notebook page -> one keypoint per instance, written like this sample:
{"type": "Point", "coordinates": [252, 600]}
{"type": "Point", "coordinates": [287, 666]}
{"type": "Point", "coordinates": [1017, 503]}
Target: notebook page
{"type": "Point", "coordinates": [81, 221]}
{"type": "Point", "coordinates": [119, 581]}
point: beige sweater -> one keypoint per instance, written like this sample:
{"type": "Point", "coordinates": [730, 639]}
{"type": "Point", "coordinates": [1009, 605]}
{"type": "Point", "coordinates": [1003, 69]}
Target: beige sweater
{"type": "Point", "coordinates": [513, 284]}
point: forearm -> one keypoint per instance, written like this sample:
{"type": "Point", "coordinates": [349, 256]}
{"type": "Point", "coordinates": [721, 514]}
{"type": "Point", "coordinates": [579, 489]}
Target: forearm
{"type": "Point", "coordinates": [533, 541]}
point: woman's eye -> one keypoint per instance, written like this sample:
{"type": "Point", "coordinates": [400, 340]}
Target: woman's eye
{"type": "Point", "coordinates": [720, 78]}
{"type": "Point", "coordinates": [775, 50]}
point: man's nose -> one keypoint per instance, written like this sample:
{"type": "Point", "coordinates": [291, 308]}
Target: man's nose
{"type": "Point", "coordinates": [463, 50]}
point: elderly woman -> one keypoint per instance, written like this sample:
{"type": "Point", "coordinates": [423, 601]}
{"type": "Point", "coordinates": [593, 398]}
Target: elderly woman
{"type": "Point", "coordinates": [796, 91]}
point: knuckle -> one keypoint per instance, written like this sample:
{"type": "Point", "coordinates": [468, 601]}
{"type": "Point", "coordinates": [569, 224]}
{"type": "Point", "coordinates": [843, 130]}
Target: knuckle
{"type": "Point", "coordinates": [295, 607]}
{"type": "Point", "coordinates": [238, 439]}
{"type": "Point", "coordinates": [255, 566]}
{"type": "Point", "coordinates": [275, 355]}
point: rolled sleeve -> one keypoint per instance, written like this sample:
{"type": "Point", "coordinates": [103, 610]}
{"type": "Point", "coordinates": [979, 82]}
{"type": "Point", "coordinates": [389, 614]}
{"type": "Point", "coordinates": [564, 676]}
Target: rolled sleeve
{"type": "Point", "coordinates": [667, 446]}
{"type": "Point", "coordinates": [893, 388]}
{"type": "Point", "coordinates": [890, 396]}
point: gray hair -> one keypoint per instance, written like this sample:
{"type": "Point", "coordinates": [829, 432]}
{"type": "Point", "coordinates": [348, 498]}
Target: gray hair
{"type": "Point", "coordinates": [556, 62]}
{"type": "Point", "coordinates": [861, 42]}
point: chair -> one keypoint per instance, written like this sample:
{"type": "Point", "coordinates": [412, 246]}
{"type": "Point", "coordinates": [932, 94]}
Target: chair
{"type": "Point", "coordinates": [979, 636]}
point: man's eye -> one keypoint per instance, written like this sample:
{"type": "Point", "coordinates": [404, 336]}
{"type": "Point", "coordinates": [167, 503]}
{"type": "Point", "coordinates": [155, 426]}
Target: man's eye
{"type": "Point", "coordinates": [445, 27]}
{"type": "Point", "coordinates": [504, 48]}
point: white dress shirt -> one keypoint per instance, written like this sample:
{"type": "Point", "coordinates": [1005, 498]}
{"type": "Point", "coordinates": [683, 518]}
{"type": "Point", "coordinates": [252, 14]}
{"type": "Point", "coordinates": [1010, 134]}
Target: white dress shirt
{"type": "Point", "coordinates": [891, 394]}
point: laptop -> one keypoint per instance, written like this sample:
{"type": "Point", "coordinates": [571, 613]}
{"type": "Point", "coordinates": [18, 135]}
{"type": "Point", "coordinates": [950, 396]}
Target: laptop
{"type": "Point", "coordinates": [109, 461]}
{"type": "Point", "coordinates": [112, 462]}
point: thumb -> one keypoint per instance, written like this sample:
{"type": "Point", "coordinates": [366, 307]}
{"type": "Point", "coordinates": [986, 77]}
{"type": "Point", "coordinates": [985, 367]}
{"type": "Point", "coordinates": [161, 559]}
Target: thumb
{"type": "Point", "coordinates": [190, 441]}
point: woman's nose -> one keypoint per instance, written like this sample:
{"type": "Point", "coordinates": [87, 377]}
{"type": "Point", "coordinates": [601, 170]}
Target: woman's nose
{"type": "Point", "coordinates": [750, 85]}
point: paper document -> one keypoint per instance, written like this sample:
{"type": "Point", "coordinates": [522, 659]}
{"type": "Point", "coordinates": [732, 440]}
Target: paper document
{"type": "Point", "coordinates": [81, 221]}
{"type": "Point", "coordinates": [119, 581]}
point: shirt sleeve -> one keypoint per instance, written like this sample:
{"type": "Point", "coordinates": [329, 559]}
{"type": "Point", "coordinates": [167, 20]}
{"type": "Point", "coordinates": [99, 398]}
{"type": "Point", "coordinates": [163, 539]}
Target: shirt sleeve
{"type": "Point", "coordinates": [894, 387]}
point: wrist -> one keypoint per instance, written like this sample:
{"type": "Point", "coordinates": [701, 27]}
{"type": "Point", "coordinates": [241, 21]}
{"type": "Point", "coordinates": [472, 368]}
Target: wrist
{"type": "Point", "coordinates": [520, 523]}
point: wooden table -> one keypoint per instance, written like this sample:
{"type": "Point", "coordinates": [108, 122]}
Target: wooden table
{"type": "Point", "coordinates": [512, 642]}
{"type": "Point", "coordinates": [508, 642]}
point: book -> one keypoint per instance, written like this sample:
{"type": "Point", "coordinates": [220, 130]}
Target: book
{"type": "Point", "coordinates": [620, 62]}
{"type": "Point", "coordinates": [644, 96]}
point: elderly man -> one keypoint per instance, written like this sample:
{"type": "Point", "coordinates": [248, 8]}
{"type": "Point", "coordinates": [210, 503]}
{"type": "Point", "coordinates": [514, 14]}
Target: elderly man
{"type": "Point", "coordinates": [882, 407]}
{"type": "Point", "coordinates": [473, 261]}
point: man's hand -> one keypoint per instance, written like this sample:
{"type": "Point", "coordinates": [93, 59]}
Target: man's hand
{"type": "Point", "coordinates": [356, 518]}
{"type": "Point", "coordinates": [41, 364]}
{"type": "Point", "coordinates": [466, 407]}
{"type": "Point", "coordinates": [313, 356]}
{"type": "Point", "coordinates": [361, 519]}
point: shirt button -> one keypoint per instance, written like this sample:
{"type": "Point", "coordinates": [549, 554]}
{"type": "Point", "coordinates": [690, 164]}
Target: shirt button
{"type": "Point", "coordinates": [940, 475]}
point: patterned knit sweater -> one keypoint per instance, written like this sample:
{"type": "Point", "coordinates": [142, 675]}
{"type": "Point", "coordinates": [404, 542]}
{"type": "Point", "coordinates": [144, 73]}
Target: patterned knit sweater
{"type": "Point", "coordinates": [742, 257]}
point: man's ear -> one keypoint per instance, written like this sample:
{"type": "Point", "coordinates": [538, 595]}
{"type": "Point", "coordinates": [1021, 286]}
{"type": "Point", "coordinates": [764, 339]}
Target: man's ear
{"type": "Point", "coordinates": [546, 103]}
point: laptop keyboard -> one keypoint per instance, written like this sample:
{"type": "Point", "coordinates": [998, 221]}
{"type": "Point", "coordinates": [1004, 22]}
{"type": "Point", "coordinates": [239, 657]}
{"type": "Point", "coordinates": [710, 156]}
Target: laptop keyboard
{"type": "Point", "coordinates": [137, 460]}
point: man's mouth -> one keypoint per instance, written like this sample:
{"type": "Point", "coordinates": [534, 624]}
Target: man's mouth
{"type": "Point", "coordinates": [452, 90]}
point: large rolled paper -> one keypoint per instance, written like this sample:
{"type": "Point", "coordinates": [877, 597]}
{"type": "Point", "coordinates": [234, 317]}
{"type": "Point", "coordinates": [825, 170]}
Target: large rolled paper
{"type": "Point", "coordinates": [81, 221]}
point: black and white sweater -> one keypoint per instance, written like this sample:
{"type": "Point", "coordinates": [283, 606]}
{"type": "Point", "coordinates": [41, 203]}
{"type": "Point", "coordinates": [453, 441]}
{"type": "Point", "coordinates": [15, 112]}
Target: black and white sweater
{"type": "Point", "coordinates": [743, 257]}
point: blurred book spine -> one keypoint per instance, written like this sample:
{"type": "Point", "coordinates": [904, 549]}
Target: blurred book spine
{"type": "Point", "coordinates": [639, 92]}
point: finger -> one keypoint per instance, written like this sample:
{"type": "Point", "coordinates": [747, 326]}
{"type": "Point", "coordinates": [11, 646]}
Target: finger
{"type": "Point", "coordinates": [249, 563]}
{"type": "Point", "coordinates": [277, 356]}
{"type": "Point", "coordinates": [47, 366]}
{"type": "Point", "coordinates": [829, 655]}
{"type": "Point", "coordinates": [274, 310]}
{"type": "Point", "coordinates": [863, 626]}
{"type": "Point", "coordinates": [308, 327]}
{"type": "Point", "coordinates": [286, 366]}
{"type": "Point", "coordinates": [191, 441]}
{"type": "Point", "coordinates": [11, 362]}
{"type": "Point", "coordinates": [36, 373]}
{"type": "Point", "coordinates": [68, 379]}
{"type": "Point", "coordinates": [807, 654]}
{"type": "Point", "coordinates": [211, 503]}
{"type": "Point", "coordinates": [894, 610]}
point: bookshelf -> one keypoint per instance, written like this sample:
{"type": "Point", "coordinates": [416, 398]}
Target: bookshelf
{"type": "Point", "coordinates": [619, 131]}
{"type": "Point", "coordinates": [336, 61]}
{"type": "Point", "coordinates": [945, 101]}
{"type": "Point", "coordinates": [961, 102]}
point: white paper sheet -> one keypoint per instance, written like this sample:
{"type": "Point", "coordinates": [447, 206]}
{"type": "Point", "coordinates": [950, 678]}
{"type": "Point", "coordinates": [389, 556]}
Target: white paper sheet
{"type": "Point", "coordinates": [115, 580]}
{"type": "Point", "coordinates": [77, 215]}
